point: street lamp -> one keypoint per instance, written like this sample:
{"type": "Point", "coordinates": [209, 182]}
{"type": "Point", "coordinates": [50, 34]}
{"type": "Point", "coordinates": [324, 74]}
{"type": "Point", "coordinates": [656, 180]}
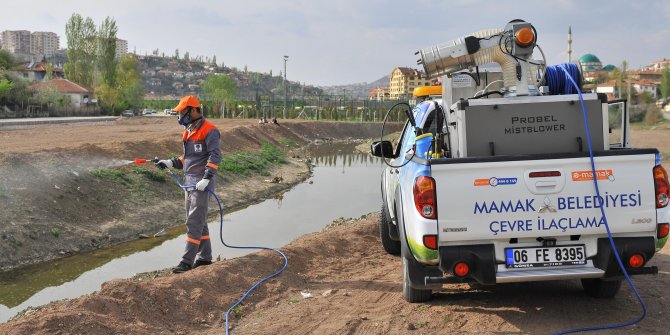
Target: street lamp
{"type": "Point", "coordinates": [285, 91]}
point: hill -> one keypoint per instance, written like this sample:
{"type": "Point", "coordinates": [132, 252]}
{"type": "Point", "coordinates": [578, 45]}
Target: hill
{"type": "Point", "coordinates": [169, 78]}
{"type": "Point", "coordinates": [357, 90]}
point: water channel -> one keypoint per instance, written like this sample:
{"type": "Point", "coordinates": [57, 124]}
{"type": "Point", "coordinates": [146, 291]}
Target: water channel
{"type": "Point", "coordinates": [345, 183]}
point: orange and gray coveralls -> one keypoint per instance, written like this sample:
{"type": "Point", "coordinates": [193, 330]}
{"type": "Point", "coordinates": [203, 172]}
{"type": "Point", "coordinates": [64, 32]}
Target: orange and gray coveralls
{"type": "Point", "coordinates": [202, 155]}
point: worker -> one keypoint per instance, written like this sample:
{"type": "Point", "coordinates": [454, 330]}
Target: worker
{"type": "Point", "coordinates": [200, 162]}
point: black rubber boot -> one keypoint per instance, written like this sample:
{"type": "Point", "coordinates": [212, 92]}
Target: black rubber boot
{"type": "Point", "coordinates": [201, 262]}
{"type": "Point", "coordinates": [182, 267]}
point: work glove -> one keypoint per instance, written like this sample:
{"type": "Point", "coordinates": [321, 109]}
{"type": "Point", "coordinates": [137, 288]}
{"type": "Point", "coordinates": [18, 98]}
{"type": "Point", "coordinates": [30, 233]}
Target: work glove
{"type": "Point", "coordinates": [202, 184]}
{"type": "Point", "coordinates": [165, 163]}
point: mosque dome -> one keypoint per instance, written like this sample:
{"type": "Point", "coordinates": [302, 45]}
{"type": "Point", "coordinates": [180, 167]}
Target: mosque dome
{"type": "Point", "coordinates": [590, 62]}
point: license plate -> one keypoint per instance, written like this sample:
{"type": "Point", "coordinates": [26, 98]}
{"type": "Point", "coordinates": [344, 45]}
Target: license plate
{"type": "Point", "coordinates": [545, 256]}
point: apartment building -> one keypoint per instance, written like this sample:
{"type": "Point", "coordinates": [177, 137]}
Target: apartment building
{"type": "Point", "coordinates": [121, 48]}
{"type": "Point", "coordinates": [16, 41]}
{"type": "Point", "coordinates": [403, 80]}
{"type": "Point", "coordinates": [44, 43]}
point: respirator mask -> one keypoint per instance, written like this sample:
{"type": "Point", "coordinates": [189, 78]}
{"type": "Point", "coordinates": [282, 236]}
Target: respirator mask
{"type": "Point", "coordinates": [186, 119]}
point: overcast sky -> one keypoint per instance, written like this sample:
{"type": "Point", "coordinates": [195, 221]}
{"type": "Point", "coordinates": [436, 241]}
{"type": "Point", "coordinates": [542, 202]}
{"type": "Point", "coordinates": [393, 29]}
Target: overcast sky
{"type": "Point", "coordinates": [351, 41]}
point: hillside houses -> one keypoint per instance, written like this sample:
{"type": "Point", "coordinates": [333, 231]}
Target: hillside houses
{"type": "Point", "coordinates": [166, 76]}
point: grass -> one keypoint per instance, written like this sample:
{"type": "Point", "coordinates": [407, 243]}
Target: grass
{"type": "Point", "coordinates": [237, 312]}
{"type": "Point", "coordinates": [55, 232]}
{"type": "Point", "coordinates": [135, 178]}
{"type": "Point", "coordinates": [153, 174]}
{"type": "Point", "coordinates": [661, 124]}
{"type": "Point", "coordinates": [245, 163]}
{"type": "Point", "coordinates": [109, 173]}
{"type": "Point", "coordinates": [422, 308]}
{"type": "Point", "coordinates": [287, 142]}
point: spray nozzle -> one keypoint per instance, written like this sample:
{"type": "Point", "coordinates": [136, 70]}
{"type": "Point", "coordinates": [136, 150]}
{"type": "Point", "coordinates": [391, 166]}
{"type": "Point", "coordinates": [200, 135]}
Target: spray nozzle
{"type": "Point", "coordinates": [139, 161]}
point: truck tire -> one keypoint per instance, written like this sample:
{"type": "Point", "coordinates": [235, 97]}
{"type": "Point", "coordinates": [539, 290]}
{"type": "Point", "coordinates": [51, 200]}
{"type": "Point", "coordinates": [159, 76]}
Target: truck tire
{"type": "Point", "coordinates": [390, 246]}
{"type": "Point", "coordinates": [600, 288]}
{"type": "Point", "coordinates": [411, 294]}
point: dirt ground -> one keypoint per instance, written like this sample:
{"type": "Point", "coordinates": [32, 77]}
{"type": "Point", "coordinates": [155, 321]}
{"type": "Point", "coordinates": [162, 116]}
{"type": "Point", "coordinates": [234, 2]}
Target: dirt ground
{"type": "Point", "coordinates": [355, 287]}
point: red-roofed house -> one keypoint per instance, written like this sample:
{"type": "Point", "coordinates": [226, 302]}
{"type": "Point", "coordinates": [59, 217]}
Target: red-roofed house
{"type": "Point", "coordinates": [79, 95]}
{"type": "Point", "coordinates": [658, 65]}
{"type": "Point", "coordinates": [37, 71]}
{"type": "Point", "coordinates": [379, 93]}
{"type": "Point", "coordinates": [608, 88]}
{"type": "Point", "coordinates": [646, 85]}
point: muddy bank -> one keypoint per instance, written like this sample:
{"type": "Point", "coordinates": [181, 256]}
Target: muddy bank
{"type": "Point", "coordinates": [64, 191]}
{"type": "Point", "coordinates": [355, 288]}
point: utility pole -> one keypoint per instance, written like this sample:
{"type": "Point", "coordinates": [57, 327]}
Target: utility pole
{"type": "Point", "coordinates": [285, 91]}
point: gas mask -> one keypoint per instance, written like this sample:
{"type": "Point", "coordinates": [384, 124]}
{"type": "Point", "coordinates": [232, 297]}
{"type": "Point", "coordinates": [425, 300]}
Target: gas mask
{"type": "Point", "coordinates": [186, 119]}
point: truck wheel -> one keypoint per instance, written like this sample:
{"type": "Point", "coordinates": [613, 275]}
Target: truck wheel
{"type": "Point", "coordinates": [600, 288]}
{"type": "Point", "coordinates": [412, 294]}
{"type": "Point", "coordinates": [390, 246]}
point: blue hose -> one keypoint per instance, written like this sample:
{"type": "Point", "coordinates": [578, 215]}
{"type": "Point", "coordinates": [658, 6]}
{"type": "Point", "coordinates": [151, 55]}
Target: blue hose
{"type": "Point", "coordinates": [558, 83]}
{"type": "Point", "coordinates": [192, 187]}
{"type": "Point", "coordinates": [569, 77]}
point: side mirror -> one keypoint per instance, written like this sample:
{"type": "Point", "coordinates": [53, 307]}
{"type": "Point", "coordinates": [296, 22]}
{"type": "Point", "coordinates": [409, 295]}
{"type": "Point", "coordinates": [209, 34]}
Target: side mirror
{"type": "Point", "coordinates": [382, 149]}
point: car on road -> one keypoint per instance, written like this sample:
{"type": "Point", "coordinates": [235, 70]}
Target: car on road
{"type": "Point", "coordinates": [127, 113]}
{"type": "Point", "coordinates": [169, 111]}
{"type": "Point", "coordinates": [148, 111]}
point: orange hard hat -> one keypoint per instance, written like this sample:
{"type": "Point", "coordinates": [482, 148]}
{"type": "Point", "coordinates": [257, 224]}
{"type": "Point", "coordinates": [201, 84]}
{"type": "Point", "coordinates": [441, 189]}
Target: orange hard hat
{"type": "Point", "coordinates": [187, 101]}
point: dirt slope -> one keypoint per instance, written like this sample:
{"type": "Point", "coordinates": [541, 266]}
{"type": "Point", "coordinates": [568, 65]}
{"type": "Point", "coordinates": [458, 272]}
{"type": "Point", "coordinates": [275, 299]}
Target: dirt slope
{"type": "Point", "coordinates": [356, 289]}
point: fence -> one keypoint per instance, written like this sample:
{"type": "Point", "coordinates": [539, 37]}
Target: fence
{"type": "Point", "coordinates": [315, 108]}
{"type": "Point", "coordinates": [18, 111]}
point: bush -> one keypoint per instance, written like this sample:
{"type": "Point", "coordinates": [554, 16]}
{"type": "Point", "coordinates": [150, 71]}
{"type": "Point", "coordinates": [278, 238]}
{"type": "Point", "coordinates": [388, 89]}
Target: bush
{"type": "Point", "coordinates": [636, 113]}
{"type": "Point", "coordinates": [652, 116]}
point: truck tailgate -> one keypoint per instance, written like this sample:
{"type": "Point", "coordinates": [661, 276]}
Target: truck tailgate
{"type": "Point", "coordinates": [495, 198]}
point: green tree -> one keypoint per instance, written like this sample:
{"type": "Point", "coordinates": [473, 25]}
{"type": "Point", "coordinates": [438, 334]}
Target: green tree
{"type": "Point", "coordinates": [621, 81]}
{"type": "Point", "coordinates": [647, 98]}
{"type": "Point", "coordinates": [107, 51]}
{"type": "Point", "coordinates": [131, 91]}
{"type": "Point", "coordinates": [6, 60]}
{"type": "Point", "coordinates": [47, 95]}
{"type": "Point", "coordinates": [665, 82]}
{"type": "Point", "coordinates": [219, 88]}
{"type": "Point", "coordinates": [176, 54]}
{"type": "Point", "coordinates": [81, 49]}
{"type": "Point", "coordinates": [214, 59]}
{"type": "Point", "coordinates": [128, 91]}
{"type": "Point", "coordinates": [5, 87]}
{"type": "Point", "coordinates": [187, 57]}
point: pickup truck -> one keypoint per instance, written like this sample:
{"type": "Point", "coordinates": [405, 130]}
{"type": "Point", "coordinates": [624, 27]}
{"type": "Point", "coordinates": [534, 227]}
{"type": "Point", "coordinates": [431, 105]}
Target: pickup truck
{"type": "Point", "coordinates": [502, 189]}
{"type": "Point", "coordinates": [517, 218]}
